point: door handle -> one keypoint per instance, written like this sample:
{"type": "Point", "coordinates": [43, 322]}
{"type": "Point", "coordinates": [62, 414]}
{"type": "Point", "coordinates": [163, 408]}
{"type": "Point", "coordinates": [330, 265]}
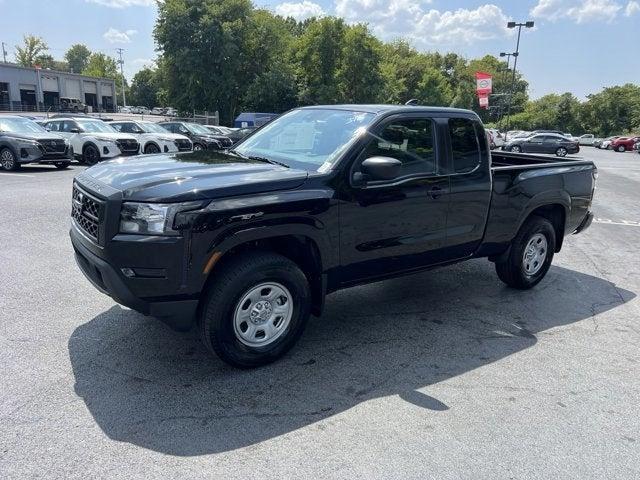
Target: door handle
{"type": "Point", "coordinates": [436, 192]}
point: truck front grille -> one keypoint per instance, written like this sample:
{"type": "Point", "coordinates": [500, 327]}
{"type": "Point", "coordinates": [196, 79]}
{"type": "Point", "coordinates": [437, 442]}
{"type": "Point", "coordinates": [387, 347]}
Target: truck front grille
{"type": "Point", "coordinates": [86, 211]}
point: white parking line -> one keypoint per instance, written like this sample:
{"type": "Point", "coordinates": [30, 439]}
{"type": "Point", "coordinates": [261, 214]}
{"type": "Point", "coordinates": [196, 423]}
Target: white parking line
{"type": "Point", "coordinates": [17, 174]}
{"type": "Point", "coordinates": [628, 223]}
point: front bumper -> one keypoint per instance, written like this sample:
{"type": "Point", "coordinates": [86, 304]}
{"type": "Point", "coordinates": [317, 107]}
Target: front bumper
{"type": "Point", "coordinates": [177, 312]}
{"type": "Point", "coordinates": [586, 223]}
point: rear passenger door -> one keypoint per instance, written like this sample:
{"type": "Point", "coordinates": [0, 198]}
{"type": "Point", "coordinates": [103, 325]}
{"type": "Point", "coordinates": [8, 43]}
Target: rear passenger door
{"type": "Point", "coordinates": [470, 187]}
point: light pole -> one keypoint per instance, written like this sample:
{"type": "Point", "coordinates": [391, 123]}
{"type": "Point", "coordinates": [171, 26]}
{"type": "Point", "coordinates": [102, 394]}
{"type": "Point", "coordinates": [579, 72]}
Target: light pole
{"type": "Point", "coordinates": [527, 24]}
{"type": "Point", "coordinates": [505, 78]}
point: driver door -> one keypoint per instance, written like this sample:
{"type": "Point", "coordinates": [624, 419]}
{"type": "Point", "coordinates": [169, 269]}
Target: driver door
{"type": "Point", "coordinates": [399, 224]}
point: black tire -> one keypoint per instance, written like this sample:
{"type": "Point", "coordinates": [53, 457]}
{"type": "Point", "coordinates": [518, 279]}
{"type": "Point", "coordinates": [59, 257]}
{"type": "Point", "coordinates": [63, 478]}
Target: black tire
{"type": "Point", "coordinates": [151, 148]}
{"type": "Point", "coordinates": [90, 155]}
{"type": "Point", "coordinates": [512, 270]}
{"type": "Point", "coordinates": [516, 149]}
{"type": "Point", "coordinates": [62, 165]}
{"type": "Point", "coordinates": [620, 148]}
{"type": "Point", "coordinates": [221, 301]}
{"type": "Point", "coordinates": [561, 152]}
{"type": "Point", "coordinates": [8, 160]}
{"type": "Point", "coordinates": [198, 147]}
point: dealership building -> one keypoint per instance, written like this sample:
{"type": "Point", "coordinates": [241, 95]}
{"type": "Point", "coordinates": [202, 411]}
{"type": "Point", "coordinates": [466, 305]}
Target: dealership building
{"type": "Point", "coordinates": [35, 89]}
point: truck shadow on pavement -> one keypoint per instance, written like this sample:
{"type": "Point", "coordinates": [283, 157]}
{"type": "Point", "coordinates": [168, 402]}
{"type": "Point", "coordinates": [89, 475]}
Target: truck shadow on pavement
{"type": "Point", "coordinates": [158, 389]}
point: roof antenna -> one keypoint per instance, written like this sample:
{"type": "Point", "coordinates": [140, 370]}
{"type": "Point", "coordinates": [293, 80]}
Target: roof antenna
{"type": "Point", "coordinates": [412, 102]}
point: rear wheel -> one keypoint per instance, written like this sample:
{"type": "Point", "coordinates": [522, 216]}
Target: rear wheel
{"type": "Point", "coordinates": [516, 149]}
{"type": "Point", "coordinates": [8, 160]}
{"type": "Point", "coordinates": [197, 147]}
{"type": "Point", "coordinates": [620, 148]}
{"type": "Point", "coordinates": [90, 155]}
{"type": "Point", "coordinates": [530, 256]}
{"type": "Point", "coordinates": [151, 148]}
{"type": "Point", "coordinates": [255, 309]}
{"type": "Point", "coordinates": [561, 152]}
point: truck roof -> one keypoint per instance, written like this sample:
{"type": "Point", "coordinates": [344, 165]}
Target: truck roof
{"type": "Point", "coordinates": [385, 108]}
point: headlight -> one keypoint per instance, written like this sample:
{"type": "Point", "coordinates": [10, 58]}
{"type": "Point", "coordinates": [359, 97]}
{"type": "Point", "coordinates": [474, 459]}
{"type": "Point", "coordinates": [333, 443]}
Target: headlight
{"type": "Point", "coordinates": [152, 218]}
{"type": "Point", "coordinates": [27, 144]}
{"type": "Point", "coordinates": [162, 139]}
{"type": "Point", "coordinates": [106, 140]}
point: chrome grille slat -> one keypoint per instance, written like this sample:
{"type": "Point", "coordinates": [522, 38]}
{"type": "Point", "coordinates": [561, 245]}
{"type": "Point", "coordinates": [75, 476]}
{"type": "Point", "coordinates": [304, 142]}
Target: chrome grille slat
{"type": "Point", "coordinates": [85, 211]}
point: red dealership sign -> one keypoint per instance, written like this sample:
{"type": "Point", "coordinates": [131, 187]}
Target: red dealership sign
{"type": "Point", "coordinates": [483, 83]}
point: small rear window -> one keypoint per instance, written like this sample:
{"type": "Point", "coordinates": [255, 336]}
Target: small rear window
{"type": "Point", "coordinates": [464, 145]}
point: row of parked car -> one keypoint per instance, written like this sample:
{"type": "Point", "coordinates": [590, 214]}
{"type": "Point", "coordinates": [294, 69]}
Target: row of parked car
{"type": "Point", "coordinates": [164, 111]}
{"type": "Point", "coordinates": [555, 141]}
{"type": "Point", "coordinates": [57, 141]}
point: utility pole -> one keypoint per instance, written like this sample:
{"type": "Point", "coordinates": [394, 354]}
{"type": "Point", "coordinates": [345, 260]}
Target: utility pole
{"type": "Point", "coordinates": [527, 24]}
{"type": "Point", "coordinates": [4, 52]}
{"type": "Point", "coordinates": [121, 62]}
{"type": "Point", "coordinates": [505, 78]}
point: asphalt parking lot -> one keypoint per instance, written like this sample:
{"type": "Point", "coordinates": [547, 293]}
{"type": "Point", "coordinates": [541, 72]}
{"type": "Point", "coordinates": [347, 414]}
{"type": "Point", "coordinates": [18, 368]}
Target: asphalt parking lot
{"type": "Point", "coordinates": [445, 375]}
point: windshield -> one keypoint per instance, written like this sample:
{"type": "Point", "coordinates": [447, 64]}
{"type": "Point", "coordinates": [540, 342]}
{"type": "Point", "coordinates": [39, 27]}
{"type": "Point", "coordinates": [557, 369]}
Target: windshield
{"type": "Point", "coordinates": [195, 128]}
{"type": "Point", "coordinates": [92, 126]}
{"type": "Point", "coordinates": [20, 125]}
{"type": "Point", "coordinates": [150, 127]}
{"type": "Point", "coordinates": [314, 137]}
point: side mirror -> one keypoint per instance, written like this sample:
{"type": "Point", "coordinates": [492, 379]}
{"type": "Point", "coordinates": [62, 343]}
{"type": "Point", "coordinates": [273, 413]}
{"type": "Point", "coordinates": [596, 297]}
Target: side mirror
{"type": "Point", "coordinates": [381, 168]}
{"type": "Point", "coordinates": [74, 130]}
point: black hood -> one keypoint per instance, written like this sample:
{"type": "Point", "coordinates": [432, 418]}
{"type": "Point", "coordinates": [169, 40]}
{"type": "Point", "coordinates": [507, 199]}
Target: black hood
{"type": "Point", "coordinates": [200, 175]}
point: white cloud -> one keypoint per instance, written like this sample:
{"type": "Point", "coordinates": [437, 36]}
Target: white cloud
{"type": "Point", "coordinates": [423, 26]}
{"type": "Point", "coordinates": [124, 3]}
{"type": "Point", "coordinates": [633, 7]}
{"type": "Point", "coordinates": [580, 11]}
{"type": "Point", "coordinates": [113, 35]}
{"type": "Point", "coordinates": [300, 11]}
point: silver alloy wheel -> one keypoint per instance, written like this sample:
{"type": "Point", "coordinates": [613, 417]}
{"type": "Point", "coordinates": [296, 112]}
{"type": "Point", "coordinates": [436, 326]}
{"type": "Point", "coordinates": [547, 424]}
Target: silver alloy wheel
{"type": "Point", "coordinates": [197, 147]}
{"type": "Point", "coordinates": [7, 159]}
{"type": "Point", "coordinates": [516, 149]}
{"type": "Point", "coordinates": [534, 254]}
{"type": "Point", "coordinates": [561, 152]}
{"type": "Point", "coordinates": [263, 314]}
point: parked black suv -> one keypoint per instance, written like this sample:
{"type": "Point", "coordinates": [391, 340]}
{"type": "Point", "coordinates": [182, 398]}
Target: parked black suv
{"type": "Point", "coordinates": [201, 137]}
{"type": "Point", "coordinates": [248, 242]}
{"type": "Point", "coordinates": [23, 141]}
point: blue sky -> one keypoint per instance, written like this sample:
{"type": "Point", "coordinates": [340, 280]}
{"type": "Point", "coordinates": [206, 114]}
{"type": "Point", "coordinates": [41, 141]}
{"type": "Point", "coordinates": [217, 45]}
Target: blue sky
{"type": "Point", "coordinates": [576, 45]}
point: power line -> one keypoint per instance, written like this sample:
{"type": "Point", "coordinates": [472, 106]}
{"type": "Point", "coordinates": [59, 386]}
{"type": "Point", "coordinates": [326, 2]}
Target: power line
{"type": "Point", "coordinates": [121, 62]}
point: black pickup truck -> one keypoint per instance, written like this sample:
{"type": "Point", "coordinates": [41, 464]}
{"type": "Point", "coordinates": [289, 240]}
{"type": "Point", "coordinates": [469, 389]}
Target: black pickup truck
{"type": "Point", "coordinates": [246, 243]}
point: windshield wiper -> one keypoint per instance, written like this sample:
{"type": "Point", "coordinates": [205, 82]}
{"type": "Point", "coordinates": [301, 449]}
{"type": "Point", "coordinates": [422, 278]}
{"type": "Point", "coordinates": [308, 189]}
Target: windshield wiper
{"type": "Point", "coordinates": [257, 158]}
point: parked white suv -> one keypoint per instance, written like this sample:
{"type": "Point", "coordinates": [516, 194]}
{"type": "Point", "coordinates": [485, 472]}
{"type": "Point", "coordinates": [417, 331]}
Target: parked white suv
{"type": "Point", "coordinates": [152, 137]}
{"type": "Point", "coordinates": [92, 139]}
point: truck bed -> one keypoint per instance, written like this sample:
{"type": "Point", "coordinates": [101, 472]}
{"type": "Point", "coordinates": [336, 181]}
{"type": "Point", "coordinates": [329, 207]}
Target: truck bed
{"type": "Point", "coordinates": [501, 160]}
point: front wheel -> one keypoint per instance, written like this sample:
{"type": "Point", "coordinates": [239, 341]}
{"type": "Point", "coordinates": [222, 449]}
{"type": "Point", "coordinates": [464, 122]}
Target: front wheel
{"type": "Point", "coordinates": [151, 148]}
{"type": "Point", "coordinates": [90, 155]}
{"type": "Point", "coordinates": [8, 160]}
{"type": "Point", "coordinates": [620, 148]}
{"type": "Point", "coordinates": [561, 152]}
{"type": "Point", "coordinates": [197, 147]}
{"type": "Point", "coordinates": [530, 256]}
{"type": "Point", "coordinates": [516, 149]}
{"type": "Point", "coordinates": [255, 309]}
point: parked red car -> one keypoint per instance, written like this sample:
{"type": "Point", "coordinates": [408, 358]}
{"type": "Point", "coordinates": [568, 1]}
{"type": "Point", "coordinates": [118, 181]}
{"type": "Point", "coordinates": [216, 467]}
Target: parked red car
{"type": "Point", "coordinates": [624, 143]}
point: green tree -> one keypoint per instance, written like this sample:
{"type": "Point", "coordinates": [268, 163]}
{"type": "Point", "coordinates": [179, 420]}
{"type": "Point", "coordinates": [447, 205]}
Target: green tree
{"type": "Point", "coordinates": [104, 66]}
{"type": "Point", "coordinates": [32, 48]}
{"type": "Point", "coordinates": [77, 57]}
{"type": "Point", "coordinates": [434, 89]}
{"type": "Point", "coordinates": [274, 90]}
{"type": "Point", "coordinates": [612, 111]}
{"type": "Point", "coordinates": [359, 78]}
{"type": "Point", "coordinates": [204, 48]}
{"type": "Point", "coordinates": [318, 58]}
{"type": "Point", "coordinates": [144, 88]}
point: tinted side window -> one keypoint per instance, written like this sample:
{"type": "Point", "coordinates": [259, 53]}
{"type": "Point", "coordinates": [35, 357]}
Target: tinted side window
{"type": "Point", "coordinates": [464, 145]}
{"type": "Point", "coordinates": [67, 125]}
{"type": "Point", "coordinates": [53, 126]}
{"type": "Point", "coordinates": [410, 141]}
{"type": "Point", "coordinates": [169, 126]}
{"type": "Point", "coordinates": [117, 126]}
